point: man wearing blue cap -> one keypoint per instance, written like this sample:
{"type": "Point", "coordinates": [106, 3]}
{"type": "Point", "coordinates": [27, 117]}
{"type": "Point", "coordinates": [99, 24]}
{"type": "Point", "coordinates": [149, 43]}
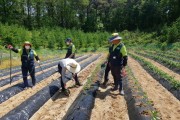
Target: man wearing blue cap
{"type": "Point", "coordinates": [71, 54]}
{"type": "Point", "coordinates": [71, 49]}
{"type": "Point", "coordinates": [117, 60]}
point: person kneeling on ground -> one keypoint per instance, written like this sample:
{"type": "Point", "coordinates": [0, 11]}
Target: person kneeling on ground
{"type": "Point", "coordinates": [72, 66]}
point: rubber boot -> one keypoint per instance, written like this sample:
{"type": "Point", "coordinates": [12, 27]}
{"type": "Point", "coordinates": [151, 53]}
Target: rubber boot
{"type": "Point", "coordinates": [115, 86]}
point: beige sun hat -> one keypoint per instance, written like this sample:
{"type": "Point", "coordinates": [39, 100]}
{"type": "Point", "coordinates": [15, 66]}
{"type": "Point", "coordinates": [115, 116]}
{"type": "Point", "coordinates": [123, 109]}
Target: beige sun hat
{"type": "Point", "coordinates": [115, 34]}
{"type": "Point", "coordinates": [27, 43]}
{"type": "Point", "coordinates": [73, 67]}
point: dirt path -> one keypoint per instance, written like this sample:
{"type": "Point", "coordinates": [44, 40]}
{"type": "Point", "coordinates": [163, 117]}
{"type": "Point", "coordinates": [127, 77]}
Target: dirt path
{"type": "Point", "coordinates": [109, 105]}
{"type": "Point", "coordinates": [163, 68]}
{"type": "Point", "coordinates": [57, 107]}
{"type": "Point", "coordinates": [165, 103]}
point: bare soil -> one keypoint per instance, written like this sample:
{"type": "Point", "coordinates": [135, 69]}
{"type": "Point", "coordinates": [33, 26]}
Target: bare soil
{"type": "Point", "coordinates": [164, 102]}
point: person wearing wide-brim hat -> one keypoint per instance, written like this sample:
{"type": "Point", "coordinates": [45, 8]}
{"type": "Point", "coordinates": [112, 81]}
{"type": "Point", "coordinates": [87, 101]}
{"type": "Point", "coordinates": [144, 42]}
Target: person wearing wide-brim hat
{"type": "Point", "coordinates": [73, 67]}
{"type": "Point", "coordinates": [27, 59]}
{"type": "Point", "coordinates": [107, 69]}
{"type": "Point", "coordinates": [118, 61]}
{"type": "Point", "coordinates": [71, 49]}
{"type": "Point", "coordinates": [27, 43]}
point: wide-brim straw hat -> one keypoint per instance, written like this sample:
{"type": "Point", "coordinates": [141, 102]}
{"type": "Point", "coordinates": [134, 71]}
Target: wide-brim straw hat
{"type": "Point", "coordinates": [73, 67]}
{"type": "Point", "coordinates": [27, 43]}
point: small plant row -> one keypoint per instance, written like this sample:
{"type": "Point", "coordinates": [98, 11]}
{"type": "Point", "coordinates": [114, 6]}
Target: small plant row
{"type": "Point", "coordinates": [175, 66]}
{"type": "Point", "coordinates": [163, 54]}
{"type": "Point", "coordinates": [173, 53]}
{"type": "Point", "coordinates": [139, 106]}
{"type": "Point", "coordinates": [156, 49]}
{"type": "Point", "coordinates": [165, 79]}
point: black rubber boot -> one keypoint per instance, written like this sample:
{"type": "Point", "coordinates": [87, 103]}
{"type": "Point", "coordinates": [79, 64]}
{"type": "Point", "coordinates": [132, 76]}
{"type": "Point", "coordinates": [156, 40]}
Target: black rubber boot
{"type": "Point", "coordinates": [115, 86]}
{"type": "Point", "coordinates": [79, 84]}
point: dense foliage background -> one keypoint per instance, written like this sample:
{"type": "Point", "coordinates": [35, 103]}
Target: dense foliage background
{"type": "Point", "coordinates": [46, 23]}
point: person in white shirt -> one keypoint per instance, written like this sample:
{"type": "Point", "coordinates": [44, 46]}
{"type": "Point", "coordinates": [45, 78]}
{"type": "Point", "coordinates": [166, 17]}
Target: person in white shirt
{"type": "Point", "coordinates": [72, 66]}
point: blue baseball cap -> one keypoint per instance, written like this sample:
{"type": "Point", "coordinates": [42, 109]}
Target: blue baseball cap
{"type": "Point", "coordinates": [68, 40]}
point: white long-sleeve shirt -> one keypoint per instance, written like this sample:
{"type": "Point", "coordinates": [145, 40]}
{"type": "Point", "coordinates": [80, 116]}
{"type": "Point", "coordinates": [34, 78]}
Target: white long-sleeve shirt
{"type": "Point", "coordinates": [63, 64]}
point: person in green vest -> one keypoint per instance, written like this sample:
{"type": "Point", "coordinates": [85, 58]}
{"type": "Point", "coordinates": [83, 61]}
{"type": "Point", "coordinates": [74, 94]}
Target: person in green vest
{"type": "Point", "coordinates": [71, 54]}
{"type": "Point", "coordinates": [117, 61]}
{"type": "Point", "coordinates": [107, 69]}
{"type": "Point", "coordinates": [27, 60]}
{"type": "Point", "coordinates": [71, 49]}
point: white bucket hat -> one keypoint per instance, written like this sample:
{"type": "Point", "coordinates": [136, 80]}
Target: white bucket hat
{"type": "Point", "coordinates": [115, 38]}
{"type": "Point", "coordinates": [73, 67]}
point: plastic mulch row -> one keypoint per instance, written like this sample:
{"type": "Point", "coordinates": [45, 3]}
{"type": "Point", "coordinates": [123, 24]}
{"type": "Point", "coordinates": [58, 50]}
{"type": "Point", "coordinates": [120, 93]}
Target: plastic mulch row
{"type": "Point", "coordinates": [15, 69]}
{"type": "Point", "coordinates": [5, 72]}
{"type": "Point", "coordinates": [19, 76]}
{"type": "Point", "coordinates": [25, 110]}
{"type": "Point", "coordinates": [11, 91]}
{"type": "Point", "coordinates": [82, 107]}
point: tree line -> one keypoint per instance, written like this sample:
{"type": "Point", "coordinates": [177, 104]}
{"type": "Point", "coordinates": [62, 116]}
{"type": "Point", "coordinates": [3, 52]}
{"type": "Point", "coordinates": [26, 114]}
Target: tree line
{"type": "Point", "coordinates": [52, 38]}
{"type": "Point", "coordinates": [90, 15]}
{"type": "Point", "coordinates": [47, 23]}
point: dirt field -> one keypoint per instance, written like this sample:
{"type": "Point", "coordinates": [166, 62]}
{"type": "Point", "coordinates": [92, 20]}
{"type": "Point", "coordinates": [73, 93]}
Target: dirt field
{"type": "Point", "coordinates": [108, 105]}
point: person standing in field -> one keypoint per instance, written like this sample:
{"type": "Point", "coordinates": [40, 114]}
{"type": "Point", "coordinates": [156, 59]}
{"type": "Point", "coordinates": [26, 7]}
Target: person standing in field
{"type": "Point", "coordinates": [117, 61]}
{"type": "Point", "coordinates": [71, 54]}
{"type": "Point", "coordinates": [27, 59]}
{"type": "Point", "coordinates": [71, 49]}
{"type": "Point", "coordinates": [107, 69]}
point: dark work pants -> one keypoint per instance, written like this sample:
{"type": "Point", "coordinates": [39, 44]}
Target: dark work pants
{"type": "Point", "coordinates": [107, 70]}
{"type": "Point", "coordinates": [60, 70]}
{"type": "Point", "coordinates": [116, 73]}
{"type": "Point", "coordinates": [31, 70]}
{"type": "Point", "coordinates": [76, 79]}
{"type": "Point", "coordinates": [74, 76]}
